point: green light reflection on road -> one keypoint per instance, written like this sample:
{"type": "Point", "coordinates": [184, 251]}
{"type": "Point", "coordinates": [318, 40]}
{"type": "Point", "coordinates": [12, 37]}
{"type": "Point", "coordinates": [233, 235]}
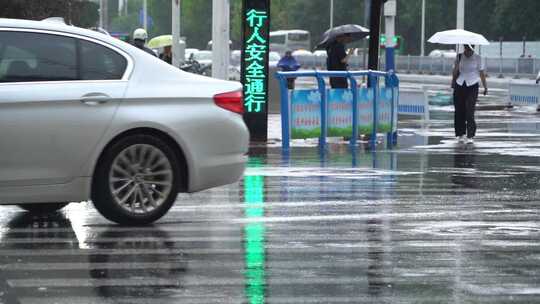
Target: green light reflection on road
{"type": "Point", "coordinates": [254, 237]}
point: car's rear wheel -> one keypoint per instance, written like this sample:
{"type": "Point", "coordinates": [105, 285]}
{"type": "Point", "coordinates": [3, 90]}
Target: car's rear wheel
{"type": "Point", "coordinates": [137, 180]}
{"type": "Point", "coordinates": [42, 208]}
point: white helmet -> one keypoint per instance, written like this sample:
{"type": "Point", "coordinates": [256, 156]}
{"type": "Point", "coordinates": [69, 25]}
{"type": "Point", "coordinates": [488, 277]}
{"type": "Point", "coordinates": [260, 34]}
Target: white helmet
{"type": "Point", "coordinates": [140, 34]}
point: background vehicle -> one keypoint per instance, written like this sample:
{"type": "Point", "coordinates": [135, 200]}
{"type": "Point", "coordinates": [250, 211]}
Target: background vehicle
{"type": "Point", "coordinates": [273, 58]}
{"type": "Point", "coordinates": [282, 41]}
{"type": "Point", "coordinates": [443, 53]}
{"type": "Point", "coordinates": [190, 51]}
{"type": "Point", "coordinates": [86, 116]}
{"type": "Point", "coordinates": [234, 67]}
{"type": "Point", "coordinates": [191, 65]}
{"type": "Point", "coordinates": [204, 58]}
{"type": "Point", "coordinates": [320, 53]}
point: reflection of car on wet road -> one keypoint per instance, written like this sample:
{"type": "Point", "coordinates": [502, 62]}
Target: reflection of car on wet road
{"type": "Point", "coordinates": [86, 116]}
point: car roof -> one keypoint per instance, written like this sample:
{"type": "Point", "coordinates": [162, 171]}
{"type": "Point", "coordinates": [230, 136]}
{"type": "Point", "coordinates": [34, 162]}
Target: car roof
{"type": "Point", "coordinates": [57, 27]}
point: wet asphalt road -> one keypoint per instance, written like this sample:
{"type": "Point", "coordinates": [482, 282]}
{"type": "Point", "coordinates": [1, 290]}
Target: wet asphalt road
{"type": "Point", "coordinates": [429, 221]}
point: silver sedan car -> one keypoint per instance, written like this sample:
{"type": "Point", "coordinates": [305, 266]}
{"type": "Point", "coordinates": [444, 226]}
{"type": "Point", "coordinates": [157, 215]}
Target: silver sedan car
{"type": "Point", "coordinates": [84, 116]}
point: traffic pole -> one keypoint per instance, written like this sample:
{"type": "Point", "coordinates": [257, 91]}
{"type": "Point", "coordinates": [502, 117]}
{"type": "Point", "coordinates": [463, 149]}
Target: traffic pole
{"type": "Point", "coordinates": [374, 34]}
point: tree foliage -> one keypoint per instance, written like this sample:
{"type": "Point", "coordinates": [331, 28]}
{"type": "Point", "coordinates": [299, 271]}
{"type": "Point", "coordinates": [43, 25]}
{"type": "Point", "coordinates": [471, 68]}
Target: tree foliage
{"type": "Point", "coordinates": [511, 19]}
{"type": "Point", "coordinates": [80, 13]}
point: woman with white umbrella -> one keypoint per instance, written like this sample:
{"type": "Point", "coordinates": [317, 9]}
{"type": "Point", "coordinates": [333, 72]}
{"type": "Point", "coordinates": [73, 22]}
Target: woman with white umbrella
{"type": "Point", "coordinates": [468, 73]}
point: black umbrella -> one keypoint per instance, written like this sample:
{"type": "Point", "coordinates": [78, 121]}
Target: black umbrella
{"type": "Point", "coordinates": [354, 31]}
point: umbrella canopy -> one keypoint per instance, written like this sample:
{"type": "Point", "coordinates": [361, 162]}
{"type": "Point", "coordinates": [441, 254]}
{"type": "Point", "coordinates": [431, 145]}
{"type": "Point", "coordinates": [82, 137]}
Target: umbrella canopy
{"type": "Point", "coordinates": [458, 37]}
{"type": "Point", "coordinates": [160, 41]}
{"type": "Point", "coordinates": [356, 32]}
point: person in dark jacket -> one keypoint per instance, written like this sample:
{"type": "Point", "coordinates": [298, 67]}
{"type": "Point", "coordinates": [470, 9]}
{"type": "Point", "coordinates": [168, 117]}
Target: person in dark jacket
{"type": "Point", "coordinates": [337, 60]}
{"type": "Point", "coordinates": [288, 64]}
{"type": "Point", "coordinates": [166, 55]}
{"type": "Point", "coordinates": [139, 40]}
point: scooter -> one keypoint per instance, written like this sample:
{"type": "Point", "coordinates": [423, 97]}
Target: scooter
{"type": "Point", "coordinates": [191, 66]}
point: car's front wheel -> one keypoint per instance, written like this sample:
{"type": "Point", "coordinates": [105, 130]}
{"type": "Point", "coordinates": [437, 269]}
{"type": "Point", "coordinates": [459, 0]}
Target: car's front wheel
{"type": "Point", "coordinates": [42, 208]}
{"type": "Point", "coordinates": [137, 180]}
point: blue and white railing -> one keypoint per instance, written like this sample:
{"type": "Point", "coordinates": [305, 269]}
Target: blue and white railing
{"type": "Point", "coordinates": [524, 94]}
{"type": "Point", "coordinates": [323, 112]}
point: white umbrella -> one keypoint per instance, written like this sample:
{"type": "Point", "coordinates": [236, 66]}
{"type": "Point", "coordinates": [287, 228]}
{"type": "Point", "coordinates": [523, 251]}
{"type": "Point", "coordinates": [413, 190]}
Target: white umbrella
{"type": "Point", "coordinates": [458, 37]}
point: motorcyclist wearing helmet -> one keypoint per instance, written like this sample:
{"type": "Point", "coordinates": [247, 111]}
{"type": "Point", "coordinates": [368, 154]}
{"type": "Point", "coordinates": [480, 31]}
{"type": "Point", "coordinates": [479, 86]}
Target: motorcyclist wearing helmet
{"type": "Point", "coordinates": [139, 40]}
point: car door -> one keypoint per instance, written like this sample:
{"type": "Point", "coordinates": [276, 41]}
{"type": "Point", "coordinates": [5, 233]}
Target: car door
{"type": "Point", "coordinates": [58, 94]}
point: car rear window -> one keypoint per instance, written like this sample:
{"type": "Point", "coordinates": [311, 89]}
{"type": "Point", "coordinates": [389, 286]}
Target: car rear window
{"type": "Point", "coordinates": [100, 63]}
{"type": "Point", "coordinates": [37, 57]}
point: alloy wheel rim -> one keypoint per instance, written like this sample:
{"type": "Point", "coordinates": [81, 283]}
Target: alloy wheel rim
{"type": "Point", "coordinates": [140, 178]}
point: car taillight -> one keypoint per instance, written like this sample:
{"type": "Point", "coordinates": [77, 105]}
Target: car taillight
{"type": "Point", "coordinates": [232, 101]}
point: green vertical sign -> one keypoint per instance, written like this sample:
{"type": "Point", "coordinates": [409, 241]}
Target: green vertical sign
{"type": "Point", "coordinates": [255, 49]}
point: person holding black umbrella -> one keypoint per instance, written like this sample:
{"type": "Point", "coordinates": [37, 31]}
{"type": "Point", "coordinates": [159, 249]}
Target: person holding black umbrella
{"type": "Point", "coordinates": [338, 59]}
{"type": "Point", "coordinates": [334, 41]}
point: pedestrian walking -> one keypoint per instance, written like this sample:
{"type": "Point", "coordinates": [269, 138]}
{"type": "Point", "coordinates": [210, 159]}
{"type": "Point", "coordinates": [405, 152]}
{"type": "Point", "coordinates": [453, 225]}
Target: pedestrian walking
{"type": "Point", "coordinates": [338, 59]}
{"type": "Point", "coordinates": [467, 74]}
{"type": "Point", "coordinates": [139, 40]}
{"type": "Point", "coordinates": [288, 64]}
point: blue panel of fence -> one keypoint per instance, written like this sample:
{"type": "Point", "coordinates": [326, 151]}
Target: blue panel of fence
{"type": "Point", "coordinates": [322, 112]}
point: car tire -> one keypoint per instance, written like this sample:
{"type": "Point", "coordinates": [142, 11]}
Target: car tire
{"type": "Point", "coordinates": [136, 180]}
{"type": "Point", "coordinates": [42, 208]}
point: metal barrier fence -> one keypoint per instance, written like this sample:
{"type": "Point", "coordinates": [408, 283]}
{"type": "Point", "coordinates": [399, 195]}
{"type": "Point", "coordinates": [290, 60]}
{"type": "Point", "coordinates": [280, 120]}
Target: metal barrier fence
{"type": "Point", "coordinates": [522, 67]}
{"type": "Point", "coordinates": [323, 112]}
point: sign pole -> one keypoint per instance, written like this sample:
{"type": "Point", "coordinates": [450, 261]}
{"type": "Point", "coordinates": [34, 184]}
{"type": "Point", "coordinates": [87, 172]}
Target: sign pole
{"type": "Point", "coordinates": [390, 10]}
{"type": "Point", "coordinates": [374, 34]}
{"type": "Point", "coordinates": [254, 70]}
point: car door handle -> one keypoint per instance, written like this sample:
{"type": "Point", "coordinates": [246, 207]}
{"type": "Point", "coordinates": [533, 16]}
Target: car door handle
{"type": "Point", "coordinates": [94, 99]}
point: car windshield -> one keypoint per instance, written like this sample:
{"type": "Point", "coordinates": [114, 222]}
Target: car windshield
{"type": "Point", "coordinates": [205, 55]}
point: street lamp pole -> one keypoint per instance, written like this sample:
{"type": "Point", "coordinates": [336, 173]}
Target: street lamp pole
{"type": "Point", "coordinates": [145, 15]}
{"type": "Point", "coordinates": [103, 14]}
{"type": "Point", "coordinates": [460, 22]}
{"type": "Point", "coordinates": [178, 49]}
{"type": "Point", "coordinates": [331, 13]}
{"type": "Point", "coordinates": [423, 38]}
{"type": "Point", "coordinates": [220, 38]}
